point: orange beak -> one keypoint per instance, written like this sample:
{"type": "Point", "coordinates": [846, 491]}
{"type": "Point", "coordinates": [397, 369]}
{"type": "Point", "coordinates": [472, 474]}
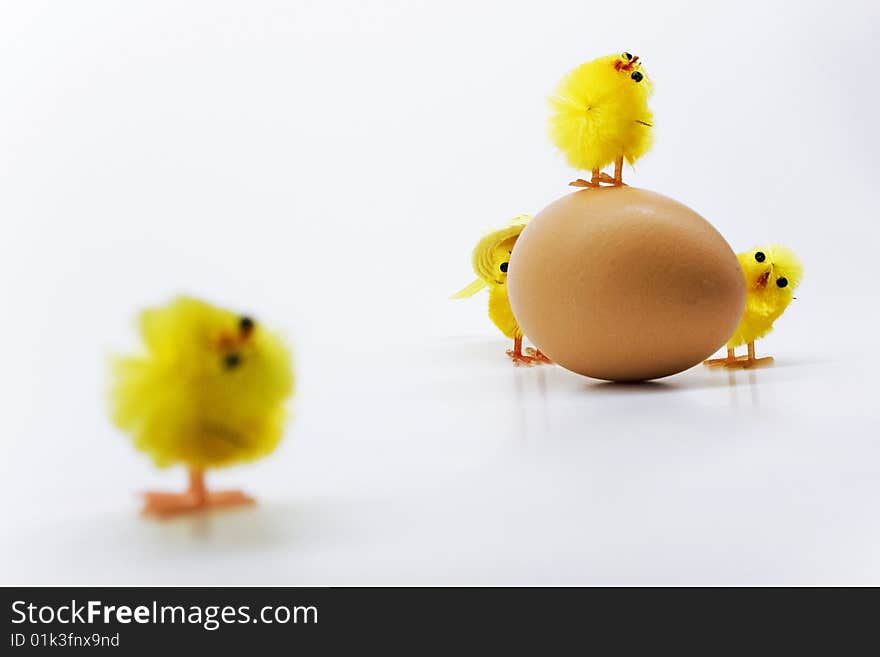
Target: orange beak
{"type": "Point", "coordinates": [228, 341]}
{"type": "Point", "coordinates": [626, 66]}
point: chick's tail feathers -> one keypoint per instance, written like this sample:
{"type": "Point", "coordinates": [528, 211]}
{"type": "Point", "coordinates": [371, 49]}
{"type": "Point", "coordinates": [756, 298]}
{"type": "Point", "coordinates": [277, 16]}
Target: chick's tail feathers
{"type": "Point", "coordinates": [470, 290]}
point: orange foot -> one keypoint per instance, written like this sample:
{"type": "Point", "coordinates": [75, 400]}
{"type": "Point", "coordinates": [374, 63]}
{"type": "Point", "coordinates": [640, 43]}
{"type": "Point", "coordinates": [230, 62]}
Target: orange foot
{"type": "Point", "coordinates": [596, 182]}
{"type": "Point", "coordinates": [743, 363]}
{"type": "Point", "coordinates": [520, 358]}
{"type": "Point", "coordinates": [715, 362]}
{"type": "Point", "coordinates": [739, 363]}
{"type": "Point", "coordinates": [168, 505]}
{"type": "Point", "coordinates": [538, 356]}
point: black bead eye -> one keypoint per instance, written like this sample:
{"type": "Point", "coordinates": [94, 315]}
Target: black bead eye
{"type": "Point", "coordinates": [760, 257]}
{"type": "Point", "coordinates": [637, 76]}
{"type": "Point", "coordinates": [504, 267]}
{"type": "Point", "coordinates": [782, 281]}
{"type": "Point", "coordinates": [231, 360]}
{"type": "Point", "coordinates": [628, 56]}
{"type": "Point", "coordinates": [245, 325]}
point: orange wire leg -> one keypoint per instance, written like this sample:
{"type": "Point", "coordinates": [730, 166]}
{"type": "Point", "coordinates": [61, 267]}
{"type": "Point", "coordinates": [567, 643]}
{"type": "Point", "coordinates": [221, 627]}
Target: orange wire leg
{"type": "Point", "coordinates": [741, 362]}
{"type": "Point", "coordinates": [196, 498]}
{"type": "Point", "coordinates": [618, 171]}
{"type": "Point", "coordinates": [731, 357]}
{"type": "Point", "coordinates": [516, 354]}
{"type": "Point", "coordinates": [751, 361]}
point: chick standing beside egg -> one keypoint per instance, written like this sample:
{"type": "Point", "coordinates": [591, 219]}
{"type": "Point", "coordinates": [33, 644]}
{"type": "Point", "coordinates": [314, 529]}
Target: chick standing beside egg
{"type": "Point", "coordinates": [208, 391]}
{"type": "Point", "coordinates": [771, 273]}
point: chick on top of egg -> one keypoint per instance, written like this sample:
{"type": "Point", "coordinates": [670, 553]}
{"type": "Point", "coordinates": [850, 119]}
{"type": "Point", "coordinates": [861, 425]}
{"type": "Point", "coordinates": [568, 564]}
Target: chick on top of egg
{"type": "Point", "coordinates": [600, 114]}
{"type": "Point", "coordinates": [772, 273]}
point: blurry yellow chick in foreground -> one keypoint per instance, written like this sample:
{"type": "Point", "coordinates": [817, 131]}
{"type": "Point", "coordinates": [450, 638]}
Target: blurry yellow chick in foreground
{"type": "Point", "coordinates": [599, 115]}
{"type": "Point", "coordinates": [490, 260]}
{"type": "Point", "coordinates": [772, 274]}
{"type": "Point", "coordinates": [207, 391]}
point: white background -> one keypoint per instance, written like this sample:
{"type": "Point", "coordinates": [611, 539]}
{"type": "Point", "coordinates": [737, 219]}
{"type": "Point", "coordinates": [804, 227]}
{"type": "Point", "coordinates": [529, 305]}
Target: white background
{"type": "Point", "coordinates": [327, 166]}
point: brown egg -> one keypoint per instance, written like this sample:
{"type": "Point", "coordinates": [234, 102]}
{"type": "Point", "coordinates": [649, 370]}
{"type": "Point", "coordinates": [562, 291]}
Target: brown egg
{"type": "Point", "coordinates": [624, 284]}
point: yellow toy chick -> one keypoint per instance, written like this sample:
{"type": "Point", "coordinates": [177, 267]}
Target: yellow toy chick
{"type": "Point", "coordinates": [208, 391]}
{"type": "Point", "coordinates": [490, 260]}
{"type": "Point", "coordinates": [772, 274]}
{"type": "Point", "coordinates": [600, 115]}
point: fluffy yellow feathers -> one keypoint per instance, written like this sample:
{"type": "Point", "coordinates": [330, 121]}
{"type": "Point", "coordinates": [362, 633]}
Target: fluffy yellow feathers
{"type": "Point", "coordinates": [490, 259]}
{"type": "Point", "coordinates": [600, 115]}
{"type": "Point", "coordinates": [772, 273]}
{"type": "Point", "coordinates": [207, 391]}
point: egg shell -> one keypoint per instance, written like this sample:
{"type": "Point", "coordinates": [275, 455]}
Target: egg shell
{"type": "Point", "coordinates": [624, 284]}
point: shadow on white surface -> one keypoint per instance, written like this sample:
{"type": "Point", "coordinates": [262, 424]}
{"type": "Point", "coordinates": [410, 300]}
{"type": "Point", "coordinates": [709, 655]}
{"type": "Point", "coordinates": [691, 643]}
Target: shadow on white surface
{"type": "Point", "coordinates": [122, 547]}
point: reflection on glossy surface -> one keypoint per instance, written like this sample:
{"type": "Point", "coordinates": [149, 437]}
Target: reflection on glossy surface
{"type": "Point", "coordinates": [739, 379]}
{"type": "Point", "coordinates": [445, 464]}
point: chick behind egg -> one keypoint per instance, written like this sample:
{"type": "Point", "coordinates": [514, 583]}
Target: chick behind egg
{"type": "Point", "coordinates": [500, 311]}
{"type": "Point", "coordinates": [490, 260]}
